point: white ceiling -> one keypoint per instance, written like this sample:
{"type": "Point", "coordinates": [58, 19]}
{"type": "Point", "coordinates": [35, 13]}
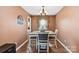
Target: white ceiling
{"type": "Point", "coordinates": [35, 10]}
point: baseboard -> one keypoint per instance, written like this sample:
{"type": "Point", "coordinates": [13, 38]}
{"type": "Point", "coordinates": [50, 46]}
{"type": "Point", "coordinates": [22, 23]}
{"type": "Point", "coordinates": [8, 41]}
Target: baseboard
{"type": "Point", "coordinates": [64, 46]}
{"type": "Point", "coordinates": [21, 45]}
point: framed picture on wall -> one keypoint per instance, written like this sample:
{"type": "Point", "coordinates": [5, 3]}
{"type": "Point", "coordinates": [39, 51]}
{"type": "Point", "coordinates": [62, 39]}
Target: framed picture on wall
{"type": "Point", "coordinates": [20, 20]}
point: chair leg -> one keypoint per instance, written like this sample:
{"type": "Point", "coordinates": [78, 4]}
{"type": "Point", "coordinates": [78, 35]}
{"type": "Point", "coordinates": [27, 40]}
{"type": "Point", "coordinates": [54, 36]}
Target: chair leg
{"type": "Point", "coordinates": [56, 44]}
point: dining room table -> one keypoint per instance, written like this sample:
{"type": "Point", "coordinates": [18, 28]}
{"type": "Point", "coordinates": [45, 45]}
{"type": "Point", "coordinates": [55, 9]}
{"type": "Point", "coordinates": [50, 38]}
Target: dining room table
{"type": "Point", "coordinates": [33, 36]}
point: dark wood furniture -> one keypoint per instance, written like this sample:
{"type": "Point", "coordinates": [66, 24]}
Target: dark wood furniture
{"type": "Point", "coordinates": [43, 42]}
{"type": "Point", "coordinates": [8, 48]}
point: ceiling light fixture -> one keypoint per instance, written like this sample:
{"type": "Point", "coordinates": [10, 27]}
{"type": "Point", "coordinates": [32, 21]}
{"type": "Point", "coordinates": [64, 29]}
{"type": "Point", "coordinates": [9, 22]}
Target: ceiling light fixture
{"type": "Point", "coordinates": [43, 11]}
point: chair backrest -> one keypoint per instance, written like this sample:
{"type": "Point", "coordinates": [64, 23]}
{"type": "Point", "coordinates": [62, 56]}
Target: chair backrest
{"type": "Point", "coordinates": [43, 35]}
{"type": "Point", "coordinates": [56, 32]}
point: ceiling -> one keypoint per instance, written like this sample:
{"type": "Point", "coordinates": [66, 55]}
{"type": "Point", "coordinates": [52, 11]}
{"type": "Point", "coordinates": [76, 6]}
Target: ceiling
{"type": "Point", "coordinates": [35, 10]}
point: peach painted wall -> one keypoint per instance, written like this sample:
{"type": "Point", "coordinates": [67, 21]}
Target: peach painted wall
{"type": "Point", "coordinates": [10, 31]}
{"type": "Point", "coordinates": [67, 22]}
{"type": "Point", "coordinates": [50, 19]}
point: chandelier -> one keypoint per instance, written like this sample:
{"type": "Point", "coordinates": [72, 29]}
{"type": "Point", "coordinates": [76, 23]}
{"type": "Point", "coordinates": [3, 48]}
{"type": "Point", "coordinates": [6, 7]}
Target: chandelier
{"type": "Point", "coordinates": [43, 12]}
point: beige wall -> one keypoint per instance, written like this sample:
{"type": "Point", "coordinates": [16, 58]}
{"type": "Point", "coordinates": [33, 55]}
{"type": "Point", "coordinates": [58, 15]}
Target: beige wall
{"type": "Point", "coordinates": [67, 21]}
{"type": "Point", "coordinates": [50, 19]}
{"type": "Point", "coordinates": [10, 31]}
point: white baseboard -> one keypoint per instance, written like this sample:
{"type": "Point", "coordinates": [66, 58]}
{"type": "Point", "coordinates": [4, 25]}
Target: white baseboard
{"type": "Point", "coordinates": [64, 46]}
{"type": "Point", "coordinates": [21, 45]}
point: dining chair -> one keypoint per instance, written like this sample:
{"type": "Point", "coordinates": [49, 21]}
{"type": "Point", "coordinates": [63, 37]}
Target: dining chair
{"type": "Point", "coordinates": [53, 39]}
{"type": "Point", "coordinates": [43, 42]}
{"type": "Point", "coordinates": [56, 32]}
{"type": "Point", "coordinates": [32, 43]}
